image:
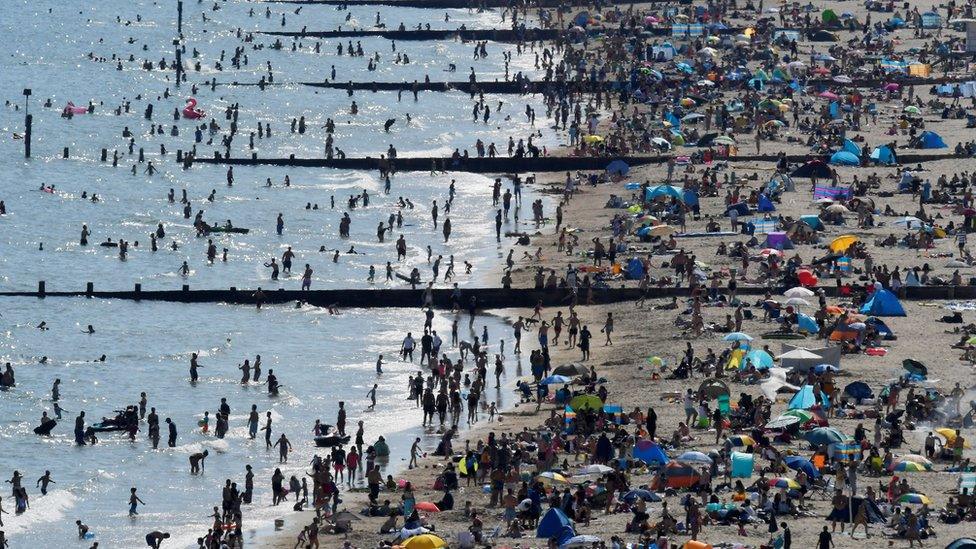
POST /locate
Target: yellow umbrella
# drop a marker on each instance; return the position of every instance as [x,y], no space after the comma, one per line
[841,243]
[950,436]
[592,139]
[663,230]
[424,541]
[551,477]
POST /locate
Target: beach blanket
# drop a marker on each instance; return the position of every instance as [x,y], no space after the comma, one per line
[836,193]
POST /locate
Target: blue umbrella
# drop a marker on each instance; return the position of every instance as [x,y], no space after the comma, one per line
[555,379]
[824,435]
[685,68]
[798,463]
[737,336]
[821,368]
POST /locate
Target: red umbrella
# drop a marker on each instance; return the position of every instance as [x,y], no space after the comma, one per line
[428,506]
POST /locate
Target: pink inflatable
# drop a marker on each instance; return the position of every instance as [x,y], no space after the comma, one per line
[190,111]
[72,109]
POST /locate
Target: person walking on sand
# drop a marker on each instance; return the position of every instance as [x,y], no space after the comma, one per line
[414,453]
[608,329]
[372,397]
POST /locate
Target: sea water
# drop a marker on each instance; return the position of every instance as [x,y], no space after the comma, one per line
[320,358]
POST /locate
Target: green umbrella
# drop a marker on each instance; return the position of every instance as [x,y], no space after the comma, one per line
[583,402]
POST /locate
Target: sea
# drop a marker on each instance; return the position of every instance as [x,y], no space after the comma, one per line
[71,51]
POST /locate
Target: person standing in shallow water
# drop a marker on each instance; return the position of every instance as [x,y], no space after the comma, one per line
[194,364]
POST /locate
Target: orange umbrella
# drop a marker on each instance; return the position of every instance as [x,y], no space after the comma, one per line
[428,506]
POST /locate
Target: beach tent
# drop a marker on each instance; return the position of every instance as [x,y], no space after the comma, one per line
[618,167]
[844,158]
[807,323]
[850,510]
[758,358]
[852,148]
[806,398]
[650,452]
[823,36]
[883,303]
[635,269]
[713,388]
[814,168]
[765,204]
[554,524]
[884,155]
[882,328]
[931,20]
[778,240]
[830,19]
[678,475]
[742,464]
[664,190]
[741,208]
[931,140]
[813,221]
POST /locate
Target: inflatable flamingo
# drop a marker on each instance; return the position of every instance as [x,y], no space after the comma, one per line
[190,111]
[72,109]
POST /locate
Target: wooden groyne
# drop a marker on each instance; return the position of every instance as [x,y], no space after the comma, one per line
[494,35]
[485,298]
[445,4]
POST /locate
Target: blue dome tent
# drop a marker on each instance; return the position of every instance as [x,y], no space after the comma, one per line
[931,140]
[553,524]
[844,158]
[884,155]
[883,303]
[805,399]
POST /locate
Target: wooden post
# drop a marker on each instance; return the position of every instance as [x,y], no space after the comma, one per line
[138,291]
[186,287]
[64,153]
[89,289]
[41,289]
[179,155]
[104,155]
[28,123]
[179,17]
[254,156]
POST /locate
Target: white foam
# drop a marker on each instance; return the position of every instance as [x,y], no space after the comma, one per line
[43,509]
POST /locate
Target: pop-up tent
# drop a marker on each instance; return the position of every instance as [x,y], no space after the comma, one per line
[650,452]
[884,155]
[742,464]
[931,140]
[778,240]
[806,398]
[554,524]
[844,158]
[883,303]
[873,512]
[814,168]
[765,204]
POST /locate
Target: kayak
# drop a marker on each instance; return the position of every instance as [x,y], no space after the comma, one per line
[217,229]
[328,441]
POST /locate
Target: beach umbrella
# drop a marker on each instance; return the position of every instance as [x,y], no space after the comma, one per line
[843,79]
[799,291]
[824,435]
[737,336]
[963,543]
[742,440]
[891,86]
[841,243]
[912,109]
[950,435]
[695,457]
[799,463]
[798,302]
[713,388]
[783,422]
[555,379]
[783,482]
[591,139]
[766,252]
[916,499]
[692,116]
[804,415]
[798,354]
[914,367]
[687,102]
[723,140]
[424,541]
[582,540]
[909,222]
[839,208]
[595,469]
[428,506]
[663,230]
[551,477]
[829,95]
[661,143]
[909,467]
[586,402]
